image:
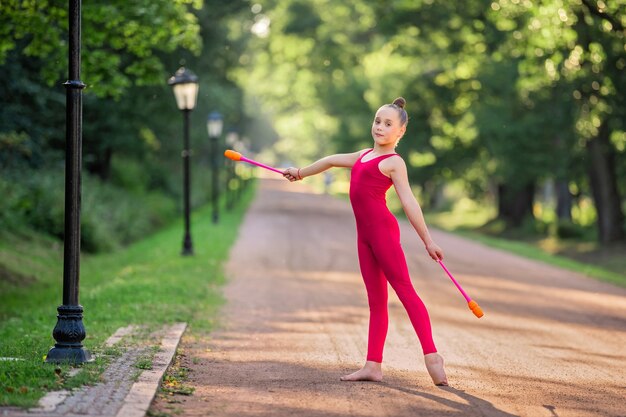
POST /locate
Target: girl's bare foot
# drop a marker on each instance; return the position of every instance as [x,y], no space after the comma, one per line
[434,365]
[372,371]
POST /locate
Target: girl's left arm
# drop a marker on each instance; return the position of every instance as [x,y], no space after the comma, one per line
[398,173]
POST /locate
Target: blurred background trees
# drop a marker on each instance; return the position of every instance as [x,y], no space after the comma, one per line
[508,99]
[513,104]
[132,130]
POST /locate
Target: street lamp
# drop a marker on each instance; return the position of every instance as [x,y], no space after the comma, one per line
[69,331]
[232,137]
[214,125]
[185,86]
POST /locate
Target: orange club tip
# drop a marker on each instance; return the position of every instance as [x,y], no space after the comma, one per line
[230,154]
[473,305]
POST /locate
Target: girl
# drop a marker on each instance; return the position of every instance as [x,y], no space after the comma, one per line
[381,258]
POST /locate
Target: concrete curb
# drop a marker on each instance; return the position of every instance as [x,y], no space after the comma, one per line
[142,392]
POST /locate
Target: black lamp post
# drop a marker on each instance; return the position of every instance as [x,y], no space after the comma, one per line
[231,140]
[69,331]
[238,176]
[214,125]
[185,86]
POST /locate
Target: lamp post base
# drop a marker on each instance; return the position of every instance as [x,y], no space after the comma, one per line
[68,355]
[187,246]
[69,332]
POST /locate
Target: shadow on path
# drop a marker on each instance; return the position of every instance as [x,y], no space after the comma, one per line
[472,405]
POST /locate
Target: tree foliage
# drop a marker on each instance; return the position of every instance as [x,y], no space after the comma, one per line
[123,39]
[132,130]
[501,94]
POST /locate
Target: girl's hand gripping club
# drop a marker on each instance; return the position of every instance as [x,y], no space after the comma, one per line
[473,305]
[236,156]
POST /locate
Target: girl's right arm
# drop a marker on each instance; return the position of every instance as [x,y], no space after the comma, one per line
[345,160]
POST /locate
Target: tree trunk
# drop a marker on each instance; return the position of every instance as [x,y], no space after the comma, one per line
[514,204]
[601,168]
[101,164]
[563,201]
[564,197]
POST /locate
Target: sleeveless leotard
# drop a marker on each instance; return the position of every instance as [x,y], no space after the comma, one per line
[381,257]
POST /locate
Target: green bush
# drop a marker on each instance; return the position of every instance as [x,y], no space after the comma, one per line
[129,174]
[110,216]
[119,217]
[10,203]
[566,229]
[35,200]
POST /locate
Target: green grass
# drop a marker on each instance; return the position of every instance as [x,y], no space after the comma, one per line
[531,251]
[148,283]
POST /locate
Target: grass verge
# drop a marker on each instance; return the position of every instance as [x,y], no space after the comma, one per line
[561,253]
[148,283]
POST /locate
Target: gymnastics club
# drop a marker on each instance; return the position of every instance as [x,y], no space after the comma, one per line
[236,156]
[473,305]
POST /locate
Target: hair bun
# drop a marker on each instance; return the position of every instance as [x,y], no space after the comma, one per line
[400,102]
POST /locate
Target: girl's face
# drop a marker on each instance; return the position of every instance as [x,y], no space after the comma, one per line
[387,127]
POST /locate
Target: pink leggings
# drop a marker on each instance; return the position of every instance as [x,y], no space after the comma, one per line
[381,259]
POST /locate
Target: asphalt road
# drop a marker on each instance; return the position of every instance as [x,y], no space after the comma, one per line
[551,343]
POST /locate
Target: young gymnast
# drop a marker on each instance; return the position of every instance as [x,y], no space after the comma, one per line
[381,257]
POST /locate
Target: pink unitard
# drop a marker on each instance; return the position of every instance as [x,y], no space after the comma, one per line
[381,257]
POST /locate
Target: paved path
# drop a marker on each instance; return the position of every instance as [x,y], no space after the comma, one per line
[551,343]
